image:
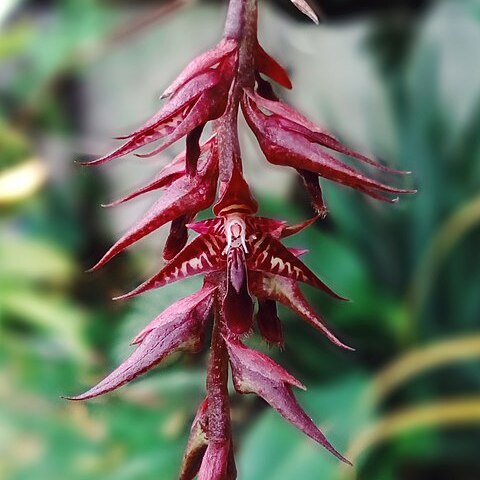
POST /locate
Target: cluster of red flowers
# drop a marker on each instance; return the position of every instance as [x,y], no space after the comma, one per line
[240,254]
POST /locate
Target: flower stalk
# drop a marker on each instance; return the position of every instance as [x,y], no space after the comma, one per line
[240,254]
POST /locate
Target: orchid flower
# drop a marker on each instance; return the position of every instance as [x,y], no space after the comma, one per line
[239,254]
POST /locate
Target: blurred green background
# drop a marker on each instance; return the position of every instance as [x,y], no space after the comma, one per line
[400,79]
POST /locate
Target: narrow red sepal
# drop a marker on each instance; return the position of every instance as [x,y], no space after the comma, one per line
[271,68]
[288,143]
[183,197]
[254,372]
[204,254]
[202,63]
[215,462]
[168,334]
[270,256]
[195,306]
[287,292]
[268,323]
[197,444]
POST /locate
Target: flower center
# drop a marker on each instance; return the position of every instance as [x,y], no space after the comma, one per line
[235,231]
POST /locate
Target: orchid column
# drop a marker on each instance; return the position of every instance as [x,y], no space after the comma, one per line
[239,254]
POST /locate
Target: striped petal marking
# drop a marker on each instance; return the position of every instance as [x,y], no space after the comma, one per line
[204,254]
[270,256]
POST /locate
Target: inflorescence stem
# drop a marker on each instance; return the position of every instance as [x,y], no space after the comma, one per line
[241,24]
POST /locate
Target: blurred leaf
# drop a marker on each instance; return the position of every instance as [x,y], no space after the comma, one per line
[14,39]
[419,360]
[49,313]
[25,259]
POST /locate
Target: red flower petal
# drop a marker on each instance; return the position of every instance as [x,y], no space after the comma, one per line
[294,229]
[213,226]
[268,255]
[188,95]
[182,332]
[197,444]
[254,372]
[236,197]
[195,306]
[209,106]
[293,147]
[204,254]
[275,228]
[215,462]
[271,68]
[268,322]
[183,197]
[202,63]
[306,9]
[168,121]
[287,292]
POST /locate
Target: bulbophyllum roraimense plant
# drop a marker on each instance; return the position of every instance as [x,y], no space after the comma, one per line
[240,255]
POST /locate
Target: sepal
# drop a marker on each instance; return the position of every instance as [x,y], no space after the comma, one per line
[288,293]
[269,256]
[268,323]
[254,372]
[197,444]
[204,254]
[271,68]
[202,63]
[215,462]
[183,197]
[306,9]
[286,143]
[168,333]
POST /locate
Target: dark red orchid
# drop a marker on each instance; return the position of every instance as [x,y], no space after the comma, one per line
[240,255]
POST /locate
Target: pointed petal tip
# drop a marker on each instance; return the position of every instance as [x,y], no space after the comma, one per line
[340,457]
[346,347]
[124,296]
[340,297]
[99,264]
[91,163]
[147,155]
[76,398]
